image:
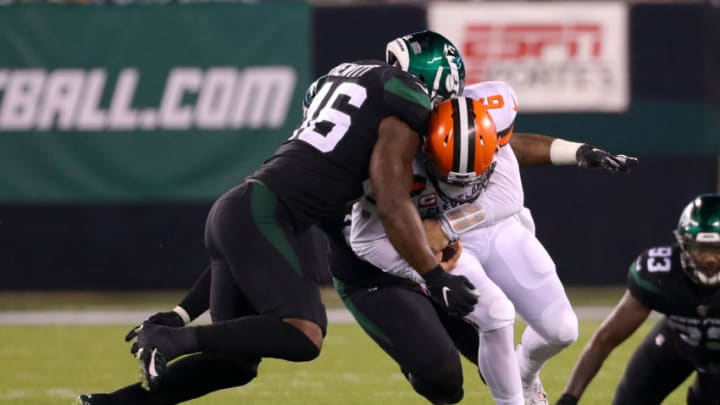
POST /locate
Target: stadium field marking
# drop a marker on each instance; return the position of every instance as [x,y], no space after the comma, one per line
[130,317]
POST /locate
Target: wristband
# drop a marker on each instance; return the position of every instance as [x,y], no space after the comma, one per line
[183,314]
[568,399]
[435,274]
[564,152]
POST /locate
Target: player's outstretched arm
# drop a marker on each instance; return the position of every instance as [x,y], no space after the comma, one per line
[622,322]
[536,149]
[391,180]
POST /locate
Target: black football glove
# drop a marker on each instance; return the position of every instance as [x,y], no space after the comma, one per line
[592,157]
[169,318]
[453,293]
[567,399]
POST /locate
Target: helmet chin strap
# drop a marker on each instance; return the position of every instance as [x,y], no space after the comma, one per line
[693,270]
[464,199]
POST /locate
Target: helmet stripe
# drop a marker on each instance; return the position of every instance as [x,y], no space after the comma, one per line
[472,133]
[457,122]
[464,136]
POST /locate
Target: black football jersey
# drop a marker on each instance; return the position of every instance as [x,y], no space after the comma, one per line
[320,170]
[658,281]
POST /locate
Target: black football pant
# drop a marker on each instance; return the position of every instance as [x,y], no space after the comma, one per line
[402,320]
[656,369]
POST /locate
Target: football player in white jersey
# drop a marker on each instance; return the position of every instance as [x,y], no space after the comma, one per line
[498,232]
[456,165]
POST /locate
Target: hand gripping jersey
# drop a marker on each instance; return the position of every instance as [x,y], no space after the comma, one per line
[320,170]
[658,281]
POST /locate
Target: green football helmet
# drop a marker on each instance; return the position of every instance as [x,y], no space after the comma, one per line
[698,234]
[433,59]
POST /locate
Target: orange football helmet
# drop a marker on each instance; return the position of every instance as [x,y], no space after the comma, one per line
[461,144]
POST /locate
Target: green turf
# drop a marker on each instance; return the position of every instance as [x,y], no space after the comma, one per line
[47,365]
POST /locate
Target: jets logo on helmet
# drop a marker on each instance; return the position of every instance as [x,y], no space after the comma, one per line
[461,145]
[433,59]
[698,234]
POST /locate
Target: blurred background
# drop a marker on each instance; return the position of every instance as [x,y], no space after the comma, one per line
[121,121]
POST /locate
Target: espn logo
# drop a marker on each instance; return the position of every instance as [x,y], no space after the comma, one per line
[529,44]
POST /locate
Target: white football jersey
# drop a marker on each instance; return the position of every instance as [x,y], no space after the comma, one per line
[502,198]
[499,99]
[501,252]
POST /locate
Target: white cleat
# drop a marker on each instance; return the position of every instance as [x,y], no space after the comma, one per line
[535,394]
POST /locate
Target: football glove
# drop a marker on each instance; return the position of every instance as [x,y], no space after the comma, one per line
[453,293]
[567,399]
[169,318]
[591,157]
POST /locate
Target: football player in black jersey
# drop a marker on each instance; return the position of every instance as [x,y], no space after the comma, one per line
[362,129]
[681,283]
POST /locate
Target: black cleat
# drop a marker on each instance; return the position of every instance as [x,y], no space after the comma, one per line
[94,399]
[154,347]
[152,365]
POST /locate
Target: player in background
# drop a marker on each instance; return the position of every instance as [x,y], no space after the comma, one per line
[363,127]
[499,232]
[680,282]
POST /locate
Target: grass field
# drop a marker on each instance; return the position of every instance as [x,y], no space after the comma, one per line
[48,365]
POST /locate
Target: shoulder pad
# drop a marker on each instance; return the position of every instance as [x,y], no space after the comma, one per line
[499,99]
[651,268]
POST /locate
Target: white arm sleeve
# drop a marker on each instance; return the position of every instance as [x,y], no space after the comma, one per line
[369,241]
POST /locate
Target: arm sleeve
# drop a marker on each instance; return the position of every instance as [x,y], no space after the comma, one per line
[197,300]
[369,241]
[504,195]
[406,98]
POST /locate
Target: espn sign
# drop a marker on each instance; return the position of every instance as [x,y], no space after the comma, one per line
[558,57]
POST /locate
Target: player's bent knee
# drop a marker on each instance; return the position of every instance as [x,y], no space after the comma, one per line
[443,384]
[493,314]
[562,330]
[568,330]
[309,329]
[306,345]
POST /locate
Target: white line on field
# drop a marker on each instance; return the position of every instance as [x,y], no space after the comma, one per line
[129,317]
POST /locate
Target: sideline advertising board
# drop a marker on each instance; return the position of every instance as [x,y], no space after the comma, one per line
[558,56]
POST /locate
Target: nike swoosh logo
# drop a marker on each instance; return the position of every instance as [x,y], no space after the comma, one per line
[152,370]
[421,86]
[446,290]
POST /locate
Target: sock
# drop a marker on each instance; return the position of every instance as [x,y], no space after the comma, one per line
[499,367]
[191,377]
[256,336]
[532,353]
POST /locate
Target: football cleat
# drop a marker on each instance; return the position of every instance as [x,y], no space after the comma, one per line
[535,394]
[152,365]
[154,347]
[94,399]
